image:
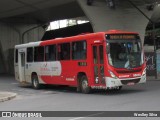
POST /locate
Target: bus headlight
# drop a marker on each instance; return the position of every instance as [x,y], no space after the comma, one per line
[144,72]
[112,74]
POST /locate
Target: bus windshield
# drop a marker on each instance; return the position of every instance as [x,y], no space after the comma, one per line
[125,53]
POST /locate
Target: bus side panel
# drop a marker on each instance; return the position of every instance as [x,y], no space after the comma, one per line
[60,73]
[28,72]
[65,73]
[35,68]
[50,72]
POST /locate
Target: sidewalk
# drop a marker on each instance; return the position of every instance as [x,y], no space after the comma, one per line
[152,78]
[4,96]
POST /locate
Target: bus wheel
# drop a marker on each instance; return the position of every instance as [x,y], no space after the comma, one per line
[35,82]
[118,88]
[84,85]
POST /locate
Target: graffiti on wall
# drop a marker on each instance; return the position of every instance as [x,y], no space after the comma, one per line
[151,68]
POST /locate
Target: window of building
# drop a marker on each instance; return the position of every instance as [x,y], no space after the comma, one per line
[64,51]
[50,53]
[30,54]
[39,54]
[79,50]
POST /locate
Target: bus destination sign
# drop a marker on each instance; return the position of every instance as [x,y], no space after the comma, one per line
[122,37]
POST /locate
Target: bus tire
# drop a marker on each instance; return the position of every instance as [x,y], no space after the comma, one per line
[118,88]
[84,85]
[35,82]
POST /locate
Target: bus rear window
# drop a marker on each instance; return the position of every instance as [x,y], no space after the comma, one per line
[16,56]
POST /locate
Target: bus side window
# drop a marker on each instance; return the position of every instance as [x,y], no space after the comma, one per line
[30,54]
[79,50]
[101,54]
[39,54]
[50,53]
[16,56]
[64,51]
[95,56]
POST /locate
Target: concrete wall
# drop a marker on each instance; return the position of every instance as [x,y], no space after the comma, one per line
[124,17]
[11,35]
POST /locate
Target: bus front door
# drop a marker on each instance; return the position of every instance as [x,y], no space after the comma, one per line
[21,66]
[98,60]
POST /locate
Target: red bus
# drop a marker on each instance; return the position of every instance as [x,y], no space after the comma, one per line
[103,60]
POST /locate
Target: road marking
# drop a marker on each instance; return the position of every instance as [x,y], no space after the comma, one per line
[14,83]
[77,118]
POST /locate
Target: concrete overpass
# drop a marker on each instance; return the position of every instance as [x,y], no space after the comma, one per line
[17,16]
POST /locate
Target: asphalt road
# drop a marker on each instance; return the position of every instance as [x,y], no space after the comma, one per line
[144,97]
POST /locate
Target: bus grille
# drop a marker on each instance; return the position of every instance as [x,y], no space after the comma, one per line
[125,82]
[128,71]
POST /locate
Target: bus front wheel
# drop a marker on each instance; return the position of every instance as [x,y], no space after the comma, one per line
[35,82]
[84,85]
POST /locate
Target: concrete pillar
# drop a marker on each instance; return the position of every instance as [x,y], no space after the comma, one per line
[124,16]
[11,35]
[2,66]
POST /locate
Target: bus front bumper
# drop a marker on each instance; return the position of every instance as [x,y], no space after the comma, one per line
[113,82]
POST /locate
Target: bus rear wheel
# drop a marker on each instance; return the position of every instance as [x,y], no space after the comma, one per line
[35,82]
[84,85]
[118,88]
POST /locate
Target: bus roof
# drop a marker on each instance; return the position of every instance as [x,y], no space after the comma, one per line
[97,35]
[28,44]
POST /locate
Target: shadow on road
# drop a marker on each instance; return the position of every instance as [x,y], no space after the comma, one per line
[66,89]
[121,92]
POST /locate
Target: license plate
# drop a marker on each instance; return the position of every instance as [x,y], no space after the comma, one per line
[131,83]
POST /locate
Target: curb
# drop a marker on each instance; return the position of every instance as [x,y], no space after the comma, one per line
[7,96]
